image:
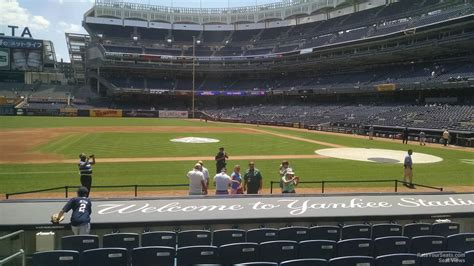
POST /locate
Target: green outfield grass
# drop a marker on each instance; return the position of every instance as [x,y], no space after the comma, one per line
[20,177]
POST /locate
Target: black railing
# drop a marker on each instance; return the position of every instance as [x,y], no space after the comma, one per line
[68,188]
[325,182]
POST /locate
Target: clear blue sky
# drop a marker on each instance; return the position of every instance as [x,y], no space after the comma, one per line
[50,19]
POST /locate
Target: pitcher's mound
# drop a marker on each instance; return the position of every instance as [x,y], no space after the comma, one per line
[377,155]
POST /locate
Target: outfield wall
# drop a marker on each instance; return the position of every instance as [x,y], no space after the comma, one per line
[96,112]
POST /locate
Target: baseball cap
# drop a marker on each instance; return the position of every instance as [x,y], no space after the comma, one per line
[197,166]
[200,162]
[290,171]
[82,155]
[285,161]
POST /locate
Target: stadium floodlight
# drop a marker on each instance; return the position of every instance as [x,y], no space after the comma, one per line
[169,40]
[198,42]
[135,38]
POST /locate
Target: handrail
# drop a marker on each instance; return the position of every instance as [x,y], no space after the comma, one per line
[12,234]
[21,253]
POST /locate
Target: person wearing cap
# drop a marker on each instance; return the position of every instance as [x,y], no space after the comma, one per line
[253,180]
[197,183]
[220,160]
[85,170]
[222,182]
[205,172]
[284,166]
[81,207]
[236,186]
[290,181]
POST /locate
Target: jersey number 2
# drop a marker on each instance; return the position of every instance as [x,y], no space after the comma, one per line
[82,207]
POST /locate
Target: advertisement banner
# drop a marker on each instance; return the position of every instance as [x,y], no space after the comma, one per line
[68,111]
[173,114]
[105,113]
[4,59]
[41,111]
[386,87]
[140,113]
[23,43]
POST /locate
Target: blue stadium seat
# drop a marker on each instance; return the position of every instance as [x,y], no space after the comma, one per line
[105,256]
[239,253]
[355,231]
[305,262]
[197,255]
[227,236]
[352,261]
[469,257]
[426,244]
[278,250]
[443,258]
[121,240]
[320,249]
[460,242]
[354,247]
[262,235]
[79,242]
[400,259]
[294,233]
[444,229]
[325,232]
[391,245]
[56,258]
[151,256]
[416,229]
[383,230]
[159,238]
[194,238]
[257,263]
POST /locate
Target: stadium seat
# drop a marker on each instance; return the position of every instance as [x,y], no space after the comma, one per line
[325,232]
[151,256]
[460,242]
[227,236]
[257,263]
[262,235]
[305,262]
[159,238]
[194,238]
[79,242]
[121,240]
[105,256]
[355,231]
[390,245]
[443,258]
[416,229]
[318,249]
[197,255]
[352,261]
[354,247]
[426,244]
[56,258]
[469,257]
[239,253]
[294,233]
[400,259]
[278,250]
[383,230]
[444,229]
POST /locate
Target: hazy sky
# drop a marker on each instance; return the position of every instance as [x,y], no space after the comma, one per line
[50,19]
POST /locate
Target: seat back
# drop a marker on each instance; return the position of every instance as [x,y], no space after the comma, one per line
[460,242]
[258,263]
[355,247]
[400,259]
[105,256]
[79,242]
[56,258]
[443,258]
[355,231]
[227,236]
[305,262]
[192,255]
[318,249]
[352,261]
[151,256]
[416,229]
[427,244]
[469,257]
[278,251]
[294,233]
[383,230]
[239,253]
[444,229]
[325,232]
[262,235]
[121,240]
[391,245]
[194,238]
[159,238]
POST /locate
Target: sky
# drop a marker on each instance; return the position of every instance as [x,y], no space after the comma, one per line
[50,19]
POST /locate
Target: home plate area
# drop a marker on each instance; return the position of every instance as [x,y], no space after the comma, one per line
[377,155]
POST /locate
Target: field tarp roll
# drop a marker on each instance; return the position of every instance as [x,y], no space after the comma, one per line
[173,114]
[105,112]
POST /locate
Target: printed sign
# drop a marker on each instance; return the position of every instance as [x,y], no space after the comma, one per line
[4,59]
[105,113]
[173,114]
[12,42]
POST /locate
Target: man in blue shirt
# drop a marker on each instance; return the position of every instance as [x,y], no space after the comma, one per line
[81,207]
[408,172]
[85,170]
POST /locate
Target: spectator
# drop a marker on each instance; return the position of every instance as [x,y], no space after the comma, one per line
[290,181]
[205,172]
[81,207]
[221,160]
[446,137]
[405,136]
[371,132]
[422,138]
[252,180]
[284,166]
[408,170]
[236,186]
[197,183]
[222,182]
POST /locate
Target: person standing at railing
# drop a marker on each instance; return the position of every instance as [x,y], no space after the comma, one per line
[289,181]
[85,170]
[81,207]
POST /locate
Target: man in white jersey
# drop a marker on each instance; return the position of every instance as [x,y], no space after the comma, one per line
[222,182]
[197,183]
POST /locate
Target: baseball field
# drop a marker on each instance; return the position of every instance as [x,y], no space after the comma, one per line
[42,152]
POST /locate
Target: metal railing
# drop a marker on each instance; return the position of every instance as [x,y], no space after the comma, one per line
[325,182]
[67,189]
[20,253]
